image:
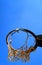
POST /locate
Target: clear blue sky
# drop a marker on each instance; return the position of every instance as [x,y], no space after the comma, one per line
[16,14]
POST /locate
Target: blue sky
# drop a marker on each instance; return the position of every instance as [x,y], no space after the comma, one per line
[20,14]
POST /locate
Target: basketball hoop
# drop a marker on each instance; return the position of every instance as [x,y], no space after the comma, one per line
[22,52]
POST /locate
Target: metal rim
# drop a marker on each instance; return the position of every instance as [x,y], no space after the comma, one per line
[18,29]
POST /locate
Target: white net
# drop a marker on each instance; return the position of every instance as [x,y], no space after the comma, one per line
[14,55]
